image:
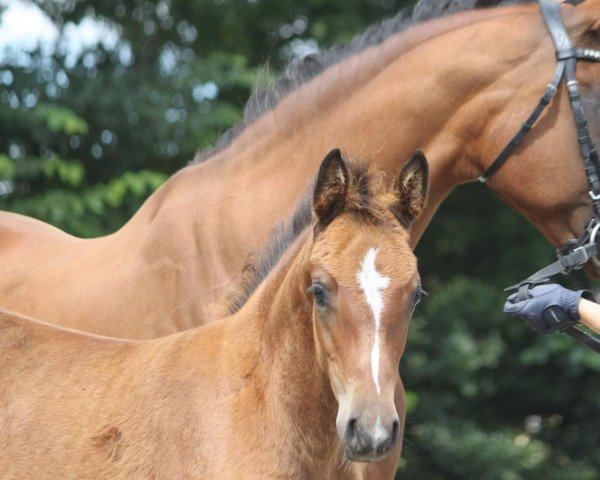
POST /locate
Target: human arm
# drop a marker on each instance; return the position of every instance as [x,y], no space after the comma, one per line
[589,313]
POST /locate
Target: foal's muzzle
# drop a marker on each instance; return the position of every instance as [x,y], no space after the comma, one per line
[368,441]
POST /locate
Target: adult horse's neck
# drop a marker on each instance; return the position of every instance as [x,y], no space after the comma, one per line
[380,104]
[375,105]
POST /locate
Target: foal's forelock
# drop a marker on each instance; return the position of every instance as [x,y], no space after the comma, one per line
[368,198]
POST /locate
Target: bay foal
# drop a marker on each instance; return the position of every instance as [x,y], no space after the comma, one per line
[296,382]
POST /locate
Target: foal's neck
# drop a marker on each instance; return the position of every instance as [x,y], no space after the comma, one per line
[296,387]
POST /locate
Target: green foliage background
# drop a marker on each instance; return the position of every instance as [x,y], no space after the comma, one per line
[84,141]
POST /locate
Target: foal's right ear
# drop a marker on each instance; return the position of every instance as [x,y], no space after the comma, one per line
[330,191]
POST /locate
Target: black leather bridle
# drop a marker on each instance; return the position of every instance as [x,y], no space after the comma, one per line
[577,252]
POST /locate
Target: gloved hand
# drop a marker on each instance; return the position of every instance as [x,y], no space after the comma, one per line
[549,307]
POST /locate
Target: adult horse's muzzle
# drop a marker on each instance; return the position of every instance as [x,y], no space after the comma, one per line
[368,434]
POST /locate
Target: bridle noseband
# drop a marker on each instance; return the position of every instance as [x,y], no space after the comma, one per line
[577,252]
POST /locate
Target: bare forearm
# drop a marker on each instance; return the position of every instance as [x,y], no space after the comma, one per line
[590,314]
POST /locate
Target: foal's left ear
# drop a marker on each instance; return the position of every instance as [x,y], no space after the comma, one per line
[411,189]
[330,190]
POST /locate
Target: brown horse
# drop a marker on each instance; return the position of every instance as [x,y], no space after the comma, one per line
[299,379]
[458,87]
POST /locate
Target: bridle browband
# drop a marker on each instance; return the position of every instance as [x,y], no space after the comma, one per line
[577,252]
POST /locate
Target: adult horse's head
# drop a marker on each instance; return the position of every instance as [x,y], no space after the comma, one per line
[545,179]
[365,285]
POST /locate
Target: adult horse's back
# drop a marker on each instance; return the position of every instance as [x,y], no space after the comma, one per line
[457,87]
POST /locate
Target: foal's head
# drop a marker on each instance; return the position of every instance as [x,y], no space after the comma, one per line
[365,286]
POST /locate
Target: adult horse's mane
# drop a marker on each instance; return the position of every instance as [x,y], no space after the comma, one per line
[300,70]
[366,196]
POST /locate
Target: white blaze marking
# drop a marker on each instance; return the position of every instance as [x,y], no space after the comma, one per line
[372,282]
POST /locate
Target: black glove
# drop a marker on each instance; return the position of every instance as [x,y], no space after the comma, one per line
[549,307]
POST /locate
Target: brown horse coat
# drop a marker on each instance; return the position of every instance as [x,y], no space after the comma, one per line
[252,396]
[457,87]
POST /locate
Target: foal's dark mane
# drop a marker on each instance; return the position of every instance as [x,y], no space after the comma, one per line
[300,70]
[364,197]
[259,264]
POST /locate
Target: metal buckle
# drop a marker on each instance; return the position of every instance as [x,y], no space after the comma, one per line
[568,247]
[580,257]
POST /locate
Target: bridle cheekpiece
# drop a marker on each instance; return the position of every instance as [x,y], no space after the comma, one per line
[575,253]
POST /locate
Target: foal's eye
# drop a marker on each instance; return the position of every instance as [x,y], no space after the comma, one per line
[319,294]
[417,298]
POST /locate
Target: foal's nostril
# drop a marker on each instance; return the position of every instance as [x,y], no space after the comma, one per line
[352,427]
[385,438]
[395,429]
[351,433]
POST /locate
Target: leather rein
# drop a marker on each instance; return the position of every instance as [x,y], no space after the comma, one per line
[577,252]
